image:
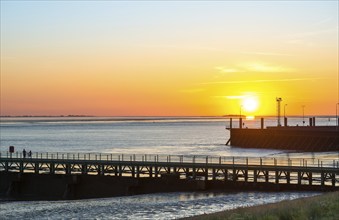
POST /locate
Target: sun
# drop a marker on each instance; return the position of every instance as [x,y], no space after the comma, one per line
[250,104]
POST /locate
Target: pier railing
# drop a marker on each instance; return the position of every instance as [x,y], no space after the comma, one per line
[195,159]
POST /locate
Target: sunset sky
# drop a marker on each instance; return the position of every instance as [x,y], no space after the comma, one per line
[148,58]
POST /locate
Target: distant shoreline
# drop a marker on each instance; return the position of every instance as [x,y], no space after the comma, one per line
[157,116]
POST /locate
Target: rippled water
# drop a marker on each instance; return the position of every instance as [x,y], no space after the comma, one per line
[153,206]
[178,136]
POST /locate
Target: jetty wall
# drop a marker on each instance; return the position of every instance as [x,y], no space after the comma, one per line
[287,138]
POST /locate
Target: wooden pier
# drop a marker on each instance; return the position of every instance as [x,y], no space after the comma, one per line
[277,171]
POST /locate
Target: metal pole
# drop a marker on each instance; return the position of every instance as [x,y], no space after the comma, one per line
[285,110]
[303,115]
[336,115]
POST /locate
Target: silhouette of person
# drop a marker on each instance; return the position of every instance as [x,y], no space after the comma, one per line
[30,154]
[24,153]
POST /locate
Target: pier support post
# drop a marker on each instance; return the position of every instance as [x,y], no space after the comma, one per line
[255,176]
[133,171]
[156,171]
[235,175]
[84,168]
[36,168]
[262,123]
[288,177]
[187,171]
[120,170]
[267,174]
[310,178]
[68,169]
[52,168]
[21,167]
[322,179]
[6,166]
[226,175]
[299,178]
[116,170]
[150,171]
[213,174]
[240,122]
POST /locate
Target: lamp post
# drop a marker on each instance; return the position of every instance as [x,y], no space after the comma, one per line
[240,111]
[303,115]
[240,118]
[285,110]
[336,115]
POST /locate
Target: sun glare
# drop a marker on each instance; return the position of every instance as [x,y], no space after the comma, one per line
[250,104]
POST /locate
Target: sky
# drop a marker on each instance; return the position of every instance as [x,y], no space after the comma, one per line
[169,58]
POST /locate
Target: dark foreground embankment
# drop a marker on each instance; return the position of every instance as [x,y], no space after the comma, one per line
[30,186]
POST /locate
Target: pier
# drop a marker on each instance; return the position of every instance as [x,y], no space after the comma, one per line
[187,172]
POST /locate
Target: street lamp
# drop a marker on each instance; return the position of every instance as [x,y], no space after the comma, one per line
[303,115]
[336,115]
[240,111]
[240,118]
[285,110]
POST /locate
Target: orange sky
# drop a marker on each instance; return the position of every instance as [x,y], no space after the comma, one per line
[168,58]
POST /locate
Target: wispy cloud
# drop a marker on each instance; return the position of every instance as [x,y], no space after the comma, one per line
[261,81]
[266,53]
[192,90]
[254,67]
[180,47]
[313,33]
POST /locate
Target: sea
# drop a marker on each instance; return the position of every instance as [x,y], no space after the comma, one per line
[187,136]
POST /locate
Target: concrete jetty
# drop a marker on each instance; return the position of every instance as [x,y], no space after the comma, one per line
[301,138]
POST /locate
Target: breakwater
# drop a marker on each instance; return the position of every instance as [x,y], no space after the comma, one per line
[310,138]
[74,176]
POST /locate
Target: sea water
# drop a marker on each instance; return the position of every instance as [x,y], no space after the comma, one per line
[139,135]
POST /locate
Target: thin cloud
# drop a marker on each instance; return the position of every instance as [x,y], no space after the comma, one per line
[261,81]
[254,67]
[266,53]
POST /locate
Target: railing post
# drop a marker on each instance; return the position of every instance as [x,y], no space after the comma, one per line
[219,160]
